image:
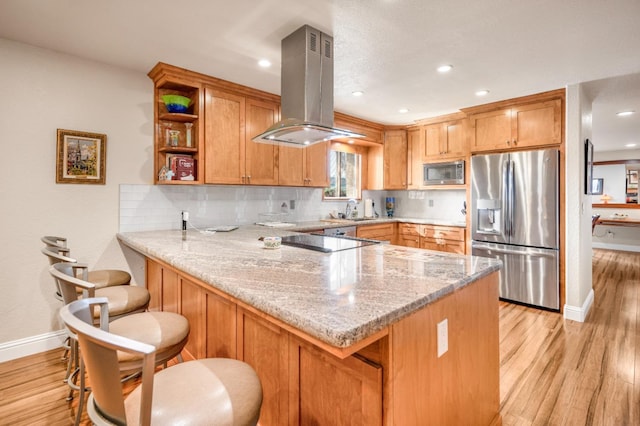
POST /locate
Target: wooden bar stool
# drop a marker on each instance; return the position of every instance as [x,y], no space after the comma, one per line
[214,391]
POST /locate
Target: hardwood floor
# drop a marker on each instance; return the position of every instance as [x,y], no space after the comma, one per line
[553,372]
[556,372]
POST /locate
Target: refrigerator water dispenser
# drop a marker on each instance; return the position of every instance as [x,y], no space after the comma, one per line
[489,216]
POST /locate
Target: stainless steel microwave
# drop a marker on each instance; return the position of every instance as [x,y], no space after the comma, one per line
[450,173]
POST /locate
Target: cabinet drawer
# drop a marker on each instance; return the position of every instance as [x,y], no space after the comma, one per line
[409,240]
[443,232]
[383,231]
[442,245]
[409,229]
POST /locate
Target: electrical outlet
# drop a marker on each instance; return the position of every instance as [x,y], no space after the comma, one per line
[292,204]
[443,337]
[430,203]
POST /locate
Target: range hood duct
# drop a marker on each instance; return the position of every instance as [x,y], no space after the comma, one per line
[307,92]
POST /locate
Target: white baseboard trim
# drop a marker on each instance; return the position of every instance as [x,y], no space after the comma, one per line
[579,314]
[31,345]
[619,247]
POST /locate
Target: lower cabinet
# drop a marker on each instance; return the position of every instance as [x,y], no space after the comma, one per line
[264,346]
[396,380]
[301,385]
[326,390]
[432,237]
[382,231]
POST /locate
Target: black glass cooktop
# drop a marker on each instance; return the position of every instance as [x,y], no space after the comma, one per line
[325,243]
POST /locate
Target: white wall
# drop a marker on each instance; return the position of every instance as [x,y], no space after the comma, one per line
[41,92]
[578,274]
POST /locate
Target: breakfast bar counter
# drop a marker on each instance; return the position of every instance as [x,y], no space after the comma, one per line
[311,322]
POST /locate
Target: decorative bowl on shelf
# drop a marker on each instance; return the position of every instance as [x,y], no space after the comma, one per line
[176,103]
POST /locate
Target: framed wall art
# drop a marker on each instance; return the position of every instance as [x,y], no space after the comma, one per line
[597,186]
[81,157]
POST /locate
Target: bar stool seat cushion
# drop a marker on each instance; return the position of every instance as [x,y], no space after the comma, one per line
[167,331]
[124,299]
[109,277]
[220,391]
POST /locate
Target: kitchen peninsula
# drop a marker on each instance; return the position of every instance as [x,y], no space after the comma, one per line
[348,337]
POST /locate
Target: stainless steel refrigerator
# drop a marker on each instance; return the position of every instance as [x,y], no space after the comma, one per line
[515,211]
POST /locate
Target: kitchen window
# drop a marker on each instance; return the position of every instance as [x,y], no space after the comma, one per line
[344,176]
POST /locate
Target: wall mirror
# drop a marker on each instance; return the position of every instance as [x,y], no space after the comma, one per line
[617,183]
[616,139]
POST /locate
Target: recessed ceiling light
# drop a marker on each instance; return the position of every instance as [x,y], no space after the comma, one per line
[403,110]
[482,93]
[630,145]
[350,141]
[357,93]
[444,68]
[624,113]
[264,63]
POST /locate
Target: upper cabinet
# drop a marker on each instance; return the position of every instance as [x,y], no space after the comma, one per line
[445,140]
[225,157]
[395,159]
[304,166]
[415,154]
[519,125]
[261,160]
[231,156]
[177,135]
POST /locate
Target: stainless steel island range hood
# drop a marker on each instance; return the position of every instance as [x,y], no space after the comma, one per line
[307,92]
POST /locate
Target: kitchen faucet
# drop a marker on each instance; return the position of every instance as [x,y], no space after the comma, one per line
[347,210]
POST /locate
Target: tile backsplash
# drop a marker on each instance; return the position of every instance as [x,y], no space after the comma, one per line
[155,207]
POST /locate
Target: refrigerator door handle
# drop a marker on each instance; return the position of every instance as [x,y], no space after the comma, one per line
[512,196]
[505,198]
[522,252]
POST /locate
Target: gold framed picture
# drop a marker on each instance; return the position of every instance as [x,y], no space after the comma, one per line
[81,157]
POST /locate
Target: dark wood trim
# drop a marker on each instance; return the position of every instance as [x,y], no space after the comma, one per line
[606,163]
[615,206]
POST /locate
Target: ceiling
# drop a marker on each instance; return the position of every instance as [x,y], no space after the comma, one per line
[389,49]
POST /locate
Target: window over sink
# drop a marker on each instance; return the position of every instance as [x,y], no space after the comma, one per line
[344,176]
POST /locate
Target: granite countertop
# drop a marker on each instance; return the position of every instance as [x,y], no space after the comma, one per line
[339,298]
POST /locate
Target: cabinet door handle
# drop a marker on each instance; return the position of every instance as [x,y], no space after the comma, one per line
[249,179]
[515,142]
[242,179]
[508,142]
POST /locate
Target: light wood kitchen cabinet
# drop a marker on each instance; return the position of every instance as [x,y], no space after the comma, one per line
[520,126]
[153,280]
[163,288]
[304,166]
[432,237]
[408,235]
[446,140]
[379,231]
[415,154]
[308,382]
[261,160]
[395,159]
[224,131]
[351,396]
[230,154]
[169,80]
[193,308]
[222,329]
[264,346]
[443,238]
